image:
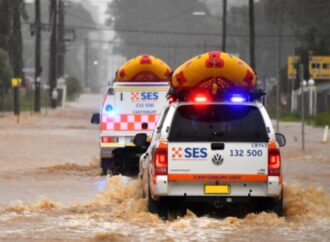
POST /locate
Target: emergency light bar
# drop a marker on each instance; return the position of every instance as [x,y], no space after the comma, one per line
[237,98]
[202,96]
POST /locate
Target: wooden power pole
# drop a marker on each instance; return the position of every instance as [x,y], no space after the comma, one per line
[61,40]
[16,52]
[38,69]
[52,75]
[87,86]
[224,25]
[252,34]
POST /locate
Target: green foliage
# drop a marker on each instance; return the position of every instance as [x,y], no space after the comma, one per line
[290,117]
[322,119]
[5,71]
[74,88]
[309,22]
[26,100]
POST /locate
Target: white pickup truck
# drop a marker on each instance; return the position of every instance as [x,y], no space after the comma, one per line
[128,108]
[212,151]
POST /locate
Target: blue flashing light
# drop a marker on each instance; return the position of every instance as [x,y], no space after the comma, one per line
[108,108]
[237,99]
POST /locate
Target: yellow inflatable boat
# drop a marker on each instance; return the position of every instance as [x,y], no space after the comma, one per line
[144,68]
[214,71]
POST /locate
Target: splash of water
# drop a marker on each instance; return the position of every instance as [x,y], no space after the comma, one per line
[92,169]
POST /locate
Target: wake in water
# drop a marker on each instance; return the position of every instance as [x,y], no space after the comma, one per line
[119,212]
[124,200]
[92,169]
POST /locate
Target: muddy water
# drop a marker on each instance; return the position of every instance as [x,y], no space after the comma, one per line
[50,189]
[118,213]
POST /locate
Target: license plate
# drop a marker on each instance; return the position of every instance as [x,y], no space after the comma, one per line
[216,189]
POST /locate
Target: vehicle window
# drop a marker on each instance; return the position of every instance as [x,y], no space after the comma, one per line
[156,132]
[161,121]
[326,66]
[316,65]
[231,123]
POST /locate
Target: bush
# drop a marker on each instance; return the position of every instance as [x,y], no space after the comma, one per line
[73,88]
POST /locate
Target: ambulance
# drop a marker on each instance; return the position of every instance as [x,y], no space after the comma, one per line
[214,145]
[132,104]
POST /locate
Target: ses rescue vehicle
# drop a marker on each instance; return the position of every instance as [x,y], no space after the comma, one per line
[131,105]
[214,143]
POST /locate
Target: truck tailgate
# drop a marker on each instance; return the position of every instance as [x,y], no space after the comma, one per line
[217,161]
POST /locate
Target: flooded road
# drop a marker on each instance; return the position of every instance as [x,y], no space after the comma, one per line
[50,189]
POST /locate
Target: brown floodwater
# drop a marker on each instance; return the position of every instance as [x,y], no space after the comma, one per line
[50,189]
[119,213]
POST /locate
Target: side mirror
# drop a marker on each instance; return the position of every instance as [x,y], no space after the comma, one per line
[95,118]
[280,138]
[140,140]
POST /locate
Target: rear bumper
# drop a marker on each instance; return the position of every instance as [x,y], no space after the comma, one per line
[162,187]
[107,148]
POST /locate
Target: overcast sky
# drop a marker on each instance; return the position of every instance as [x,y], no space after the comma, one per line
[215,6]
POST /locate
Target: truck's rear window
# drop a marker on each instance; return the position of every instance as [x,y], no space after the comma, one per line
[231,123]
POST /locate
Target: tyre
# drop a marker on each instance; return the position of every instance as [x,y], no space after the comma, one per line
[157,207]
[176,211]
[108,166]
[277,206]
[127,161]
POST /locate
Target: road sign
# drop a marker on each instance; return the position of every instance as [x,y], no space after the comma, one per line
[319,67]
[292,61]
[16,82]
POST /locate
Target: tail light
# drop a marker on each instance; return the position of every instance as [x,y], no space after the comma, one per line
[160,159]
[107,139]
[274,162]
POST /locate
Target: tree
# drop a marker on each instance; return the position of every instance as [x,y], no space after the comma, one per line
[309,21]
[5,71]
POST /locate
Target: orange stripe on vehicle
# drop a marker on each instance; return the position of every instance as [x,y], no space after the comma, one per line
[218,177]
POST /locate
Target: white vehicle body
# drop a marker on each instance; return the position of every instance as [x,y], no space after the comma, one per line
[226,168]
[129,108]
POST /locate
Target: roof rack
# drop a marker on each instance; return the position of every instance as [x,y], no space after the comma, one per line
[183,95]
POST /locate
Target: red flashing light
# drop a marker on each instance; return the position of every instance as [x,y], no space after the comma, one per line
[107,139]
[274,162]
[200,97]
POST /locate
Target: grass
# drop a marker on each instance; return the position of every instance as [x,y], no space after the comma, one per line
[320,119]
[26,101]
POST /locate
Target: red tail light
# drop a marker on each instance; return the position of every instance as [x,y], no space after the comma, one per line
[160,159]
[274,162]
[107,139]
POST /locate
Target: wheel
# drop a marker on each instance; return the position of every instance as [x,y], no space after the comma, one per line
[157,207]
[127,161]
[276,206]
[175,211]
[108,166]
